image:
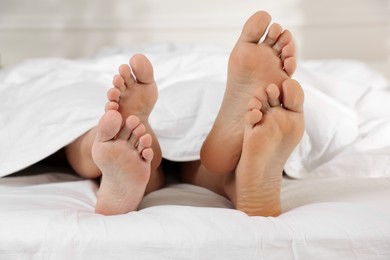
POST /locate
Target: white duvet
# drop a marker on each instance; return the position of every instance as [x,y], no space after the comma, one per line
[47,103]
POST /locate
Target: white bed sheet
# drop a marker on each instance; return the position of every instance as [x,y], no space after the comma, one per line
[50,216]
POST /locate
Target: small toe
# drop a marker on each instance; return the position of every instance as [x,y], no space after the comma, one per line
[130,124]
[261,95]
[136,134]
[273,94]
[125,73]
[254,103]
[145,141]
[290,65]
[147,154]
[293,95]
[273,34]
[111,106]
[119,83]
[253,117]
[288,51]
[113,94]
[284,39]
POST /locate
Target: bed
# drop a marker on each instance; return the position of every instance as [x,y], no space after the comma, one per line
[335,192]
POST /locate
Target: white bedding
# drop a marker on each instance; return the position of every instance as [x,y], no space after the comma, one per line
[47,103]
[50,216]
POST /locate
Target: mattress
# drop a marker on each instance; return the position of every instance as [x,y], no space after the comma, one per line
[334,194]
[51,216]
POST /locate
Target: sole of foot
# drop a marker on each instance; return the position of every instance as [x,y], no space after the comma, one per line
[272,131]
[123,154]
[251,64]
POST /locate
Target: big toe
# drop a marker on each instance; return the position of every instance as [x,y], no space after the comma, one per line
[109,126]
[255,27]
[293,95]
[142,69]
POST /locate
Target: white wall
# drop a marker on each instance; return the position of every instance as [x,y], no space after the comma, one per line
[357,29]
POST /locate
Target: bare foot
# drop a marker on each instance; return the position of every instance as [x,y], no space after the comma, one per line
[250,65]
[135,93]
[272,131]
[123,154]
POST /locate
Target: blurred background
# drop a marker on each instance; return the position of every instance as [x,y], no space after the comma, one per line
[331,29]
